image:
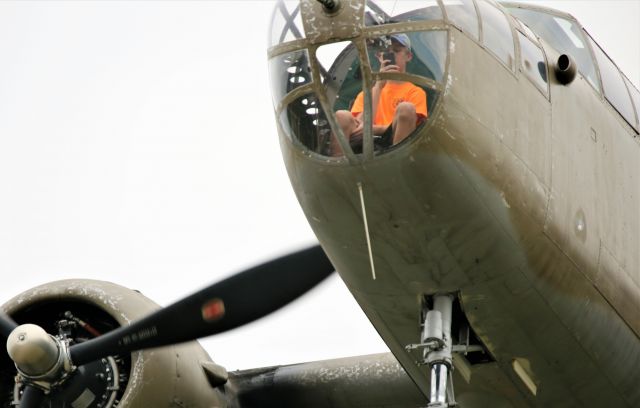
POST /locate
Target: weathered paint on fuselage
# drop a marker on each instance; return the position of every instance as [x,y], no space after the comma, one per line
[485,202]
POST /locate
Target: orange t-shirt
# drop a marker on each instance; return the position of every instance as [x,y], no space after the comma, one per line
[391,96]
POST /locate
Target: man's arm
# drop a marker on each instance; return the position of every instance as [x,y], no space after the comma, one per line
[419,99]
[375,100]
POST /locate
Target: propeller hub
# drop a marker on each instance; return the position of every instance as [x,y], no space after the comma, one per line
[33,350]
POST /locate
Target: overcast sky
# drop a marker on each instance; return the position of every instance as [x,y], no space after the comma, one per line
[138,145]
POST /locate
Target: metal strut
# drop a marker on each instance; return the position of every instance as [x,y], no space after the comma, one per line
[437,345]
[437,348]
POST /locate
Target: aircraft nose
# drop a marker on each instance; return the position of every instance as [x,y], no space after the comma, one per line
[349,86]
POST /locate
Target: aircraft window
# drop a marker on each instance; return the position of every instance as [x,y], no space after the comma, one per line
[305,122]
[304,119]
[533,63]
[393,11]
[328,54]
[563,35]
[286,22]
[462,14]
[635,95]
[496,33]
[525,29]
[567,27]
[340,72]
[615,89]
[422,54]
[288,72]
[428,55]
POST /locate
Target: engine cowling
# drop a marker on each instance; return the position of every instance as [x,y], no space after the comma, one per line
[78,310]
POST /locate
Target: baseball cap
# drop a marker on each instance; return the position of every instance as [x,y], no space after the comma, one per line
[402,39]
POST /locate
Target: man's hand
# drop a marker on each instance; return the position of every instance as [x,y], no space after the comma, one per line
[358,130]
[385,66]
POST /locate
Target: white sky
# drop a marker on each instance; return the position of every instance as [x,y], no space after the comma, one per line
[138,145]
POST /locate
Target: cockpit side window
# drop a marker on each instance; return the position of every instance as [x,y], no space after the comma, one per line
[532,63]
[462,14]
[615,89]
[288,72]
[635,97]
[496,33]
[562,34]
[305,123]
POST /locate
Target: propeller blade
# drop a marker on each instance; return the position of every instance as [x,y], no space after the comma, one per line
[31,397]
[225,305]
[6,325]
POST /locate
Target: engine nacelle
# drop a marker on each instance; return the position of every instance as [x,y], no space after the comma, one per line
[78,309]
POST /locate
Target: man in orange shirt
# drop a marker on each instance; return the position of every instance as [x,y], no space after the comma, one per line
[398,106]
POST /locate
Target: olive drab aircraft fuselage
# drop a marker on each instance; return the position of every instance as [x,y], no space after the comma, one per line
[517,198]
[495,247]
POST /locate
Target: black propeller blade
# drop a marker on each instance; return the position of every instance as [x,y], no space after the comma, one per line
[222,306]
[31,397]
[6,325]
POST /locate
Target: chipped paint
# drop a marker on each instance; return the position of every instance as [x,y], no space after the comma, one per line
[450,80]
[504,199]
[320,27]
[362,372]
[374,380]
[135,379]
